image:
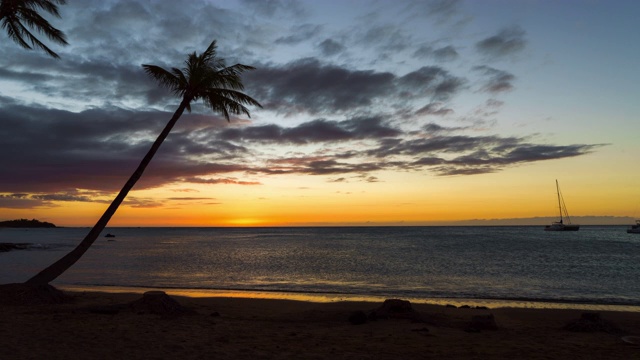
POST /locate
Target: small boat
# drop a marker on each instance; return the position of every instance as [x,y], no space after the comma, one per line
[564,214]
[634,229]
[109,235]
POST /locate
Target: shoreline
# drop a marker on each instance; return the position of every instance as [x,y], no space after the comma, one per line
[105,325]
[338,297]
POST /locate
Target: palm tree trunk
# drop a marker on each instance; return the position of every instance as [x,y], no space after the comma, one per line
[56,269]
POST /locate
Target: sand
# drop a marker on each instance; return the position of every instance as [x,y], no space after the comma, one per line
[96,325]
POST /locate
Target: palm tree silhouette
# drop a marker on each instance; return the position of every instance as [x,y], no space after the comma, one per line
[205,77]
[17,16]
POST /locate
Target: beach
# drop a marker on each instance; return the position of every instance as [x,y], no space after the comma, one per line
[104,325]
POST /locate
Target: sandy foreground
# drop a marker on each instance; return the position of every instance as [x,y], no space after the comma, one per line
[100,325]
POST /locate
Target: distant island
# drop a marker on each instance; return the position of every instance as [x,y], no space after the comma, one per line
[24,223]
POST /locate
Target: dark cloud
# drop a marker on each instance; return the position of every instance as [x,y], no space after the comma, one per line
[307,85]
[442,54]
[434,109]
[49,154]
[315,131]
[53,151]
[497,80]
[507,42]
[11,201]
[433,128]
[330,47]
[226,181]
[431,81]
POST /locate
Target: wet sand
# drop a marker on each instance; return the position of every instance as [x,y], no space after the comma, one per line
[99,325]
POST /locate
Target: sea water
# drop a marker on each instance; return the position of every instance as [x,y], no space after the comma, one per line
[598,264]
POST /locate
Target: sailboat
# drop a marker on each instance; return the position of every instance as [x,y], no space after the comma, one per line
[634,229]
[564,215]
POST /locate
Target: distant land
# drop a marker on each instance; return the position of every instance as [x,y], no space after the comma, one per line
[24,223]
[539,221]
[533,221]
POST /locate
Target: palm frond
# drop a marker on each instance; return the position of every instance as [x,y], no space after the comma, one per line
[229,101]
[16,16]
[206,77]
[24,32]
[165,78]
[32,19]
[14,33]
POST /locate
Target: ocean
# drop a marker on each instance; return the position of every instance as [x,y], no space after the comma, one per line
[596,265]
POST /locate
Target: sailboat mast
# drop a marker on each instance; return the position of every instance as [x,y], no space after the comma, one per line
[559,202]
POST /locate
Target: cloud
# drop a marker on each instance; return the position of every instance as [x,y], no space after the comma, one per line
[226,181]
[309,86]
[273,7]
[497,80]
[506,42]
[431,81]
[434,109]
[50,154]
[315,131]
[442,11]
[300,34]
[97,113]
[442,54]
[330,47]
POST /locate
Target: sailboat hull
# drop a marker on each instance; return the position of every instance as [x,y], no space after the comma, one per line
[562,227]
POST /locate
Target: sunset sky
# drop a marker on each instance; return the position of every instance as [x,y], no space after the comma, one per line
[374,113]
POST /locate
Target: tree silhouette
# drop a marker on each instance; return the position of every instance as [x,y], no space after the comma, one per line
[18,16]
[205,77]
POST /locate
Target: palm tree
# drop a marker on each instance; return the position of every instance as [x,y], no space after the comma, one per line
[205,77]
[19,15]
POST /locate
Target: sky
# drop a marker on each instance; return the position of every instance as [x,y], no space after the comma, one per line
[373,113]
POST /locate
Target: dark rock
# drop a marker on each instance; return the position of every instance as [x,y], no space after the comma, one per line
[482,322]
[451,306]
[393,308]
[159,303]
[465,307]
[358,318]
[23,294]
[592,322]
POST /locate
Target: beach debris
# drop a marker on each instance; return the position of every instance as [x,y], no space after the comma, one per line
[394,308]
[482,322]
[358,317]
[159,303]
[6,247]
[23,294]
[592,322]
